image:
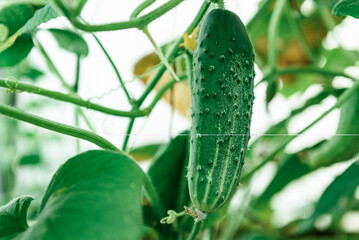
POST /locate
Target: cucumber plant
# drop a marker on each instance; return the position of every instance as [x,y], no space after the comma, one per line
[188,188]
[222,100]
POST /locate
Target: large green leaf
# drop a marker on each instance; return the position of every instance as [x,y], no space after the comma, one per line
[13,216]
[347,7]
[94,195]
[42,15]
[70,41]
[17,52]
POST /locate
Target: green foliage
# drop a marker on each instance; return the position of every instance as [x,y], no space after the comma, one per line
[345,143]
[13,216]
[42,15]
[16,53]
[337,194]
[102,188]
[347,7]
[106,195]
[70,41]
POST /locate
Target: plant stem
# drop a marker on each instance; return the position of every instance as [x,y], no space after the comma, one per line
[77,74]
[342,99]
[172,52]
[88,123]
[114,68]
[141,7]
[272,32]
[14,86]
[57,127]
[128,133]
[195,230]
[139,23]
[160,53]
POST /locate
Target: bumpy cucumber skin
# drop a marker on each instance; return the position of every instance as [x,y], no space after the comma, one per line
[340,148]
[222,100]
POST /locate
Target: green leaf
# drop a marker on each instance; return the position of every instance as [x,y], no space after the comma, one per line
[70,41]
[13,216]
[347,7]
[42,15]
[17,52]
[167,169]
[30,159]
[15,16]
[94,195]
[291,169]
[339,58]
[338,192]
[145,152]
[168,176]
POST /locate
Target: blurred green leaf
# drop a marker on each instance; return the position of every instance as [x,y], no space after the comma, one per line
[337,193]
[339,58]
[347,7]
[13,216]
[291,169]
[42,15]
[145,152]
[17,52]
[30,159]
[94,195]
[70,41]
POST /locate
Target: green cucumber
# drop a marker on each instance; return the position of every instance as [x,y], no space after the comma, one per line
[345,144]
[222,100]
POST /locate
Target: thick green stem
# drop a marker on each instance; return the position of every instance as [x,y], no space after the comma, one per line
[141,7]
[57,127]
[342,99]
[172,52]
[17,86]
[272,32]
[195,230]
[139,23]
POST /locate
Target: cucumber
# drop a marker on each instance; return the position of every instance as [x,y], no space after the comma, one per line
[340,147]
[222,99]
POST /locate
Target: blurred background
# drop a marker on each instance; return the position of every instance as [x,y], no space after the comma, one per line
[30,155]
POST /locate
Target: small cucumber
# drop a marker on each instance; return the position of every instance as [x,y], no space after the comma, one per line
[222,100]
[345,144]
